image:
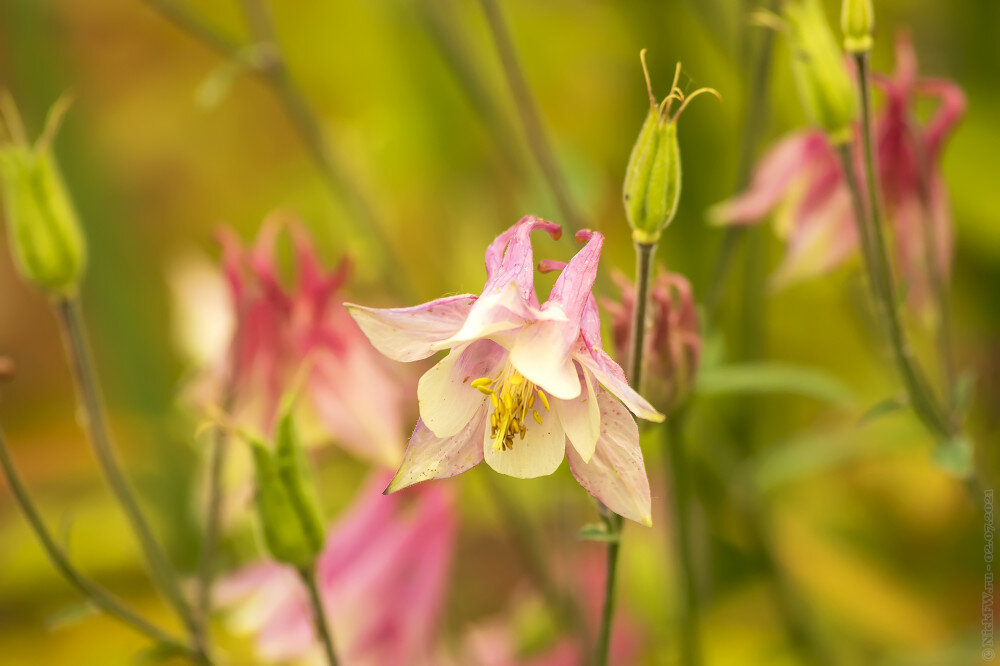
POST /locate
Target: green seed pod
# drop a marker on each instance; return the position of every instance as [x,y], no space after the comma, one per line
[286,504]
[42,225]
[817,65]
[652,186]
[857,20]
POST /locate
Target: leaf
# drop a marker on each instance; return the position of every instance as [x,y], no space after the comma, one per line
[883,408]
[69,615]
[963,391]
[597,532]
[217,84]
[159,653]
[767,377]
[955,456]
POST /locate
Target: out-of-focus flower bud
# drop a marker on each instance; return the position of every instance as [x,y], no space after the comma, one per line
[857,21]
[653,176]
[673,342]
[43,228]
[818,68]
[286,499]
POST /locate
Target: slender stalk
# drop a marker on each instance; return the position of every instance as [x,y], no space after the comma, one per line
[92,412]
[527,110]
[869,221]
[525,538]
[273,72]
[320,620]
[678,472]
[93,592]
[613,522]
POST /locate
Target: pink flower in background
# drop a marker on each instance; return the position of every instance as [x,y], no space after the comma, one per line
[281,331]
[801,179]
[382,576]
[523,384]
[673,344]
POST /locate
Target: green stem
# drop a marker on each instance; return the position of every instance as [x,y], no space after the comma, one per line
[93,592]
[320,620]
[922,398]
[527,110]
[92,412]
[678,473]
[525,538]
[613,522]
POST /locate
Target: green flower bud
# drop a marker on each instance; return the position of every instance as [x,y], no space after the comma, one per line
[818,68]
[286,504]
[42,225]
[653,176]
[857,20]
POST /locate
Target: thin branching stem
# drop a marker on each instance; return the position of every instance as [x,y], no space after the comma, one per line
[94,593]
[320,620]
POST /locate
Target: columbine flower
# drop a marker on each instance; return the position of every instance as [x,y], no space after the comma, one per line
[523,384]
[382,578]
[673,345]
[282,331]
[801,178]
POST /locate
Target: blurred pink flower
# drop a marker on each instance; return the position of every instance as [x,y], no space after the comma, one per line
[382,576]
[802,179]
[523,384]
[281,331]
[673,344]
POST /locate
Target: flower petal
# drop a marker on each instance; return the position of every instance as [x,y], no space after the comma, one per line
[430,457]
[615,474]
[538,355]
[581,419]
[447,399]
[538,454]
[612,377]
[408,334]
[509,257]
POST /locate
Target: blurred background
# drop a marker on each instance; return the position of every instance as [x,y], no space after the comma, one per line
[879,549]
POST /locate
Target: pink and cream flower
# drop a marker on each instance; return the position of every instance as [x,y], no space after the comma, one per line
[523,384]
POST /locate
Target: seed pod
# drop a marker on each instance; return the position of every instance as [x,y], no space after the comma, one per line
[818,69]
[42,225]
[857,21]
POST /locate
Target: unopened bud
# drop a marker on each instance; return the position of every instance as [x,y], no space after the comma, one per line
[42,225]
[857,20]
[653,177]
[818,68]
[673,341]
[286,504]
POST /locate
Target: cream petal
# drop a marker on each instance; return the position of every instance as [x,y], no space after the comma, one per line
[409,334]
[612,377]
[615,474]
[542,357]
[429,457]
[581,419]
[538,454]
[447,400]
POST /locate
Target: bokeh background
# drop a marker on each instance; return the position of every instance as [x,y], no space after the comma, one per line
[881,548]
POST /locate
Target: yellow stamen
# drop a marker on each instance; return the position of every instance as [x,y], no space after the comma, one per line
[545,400]
[538,417]
[513,397]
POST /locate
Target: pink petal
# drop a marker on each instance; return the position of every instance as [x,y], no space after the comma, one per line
[447,399]
[509,257]
[951,111]
[772,178]
[408,334]
[430,457]
[612,377]
[537,353]
[616,474]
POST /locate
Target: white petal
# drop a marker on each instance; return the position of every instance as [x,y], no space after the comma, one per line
[408,334]
[541,355]
[538,454]
[615,474]
[447,401]
[581,419]
[429,457]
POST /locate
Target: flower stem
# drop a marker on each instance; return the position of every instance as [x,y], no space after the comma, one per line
[527,110]
[92,412]
[678,473]
[320,620]
[869,222]
[613,522]
[94,593]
